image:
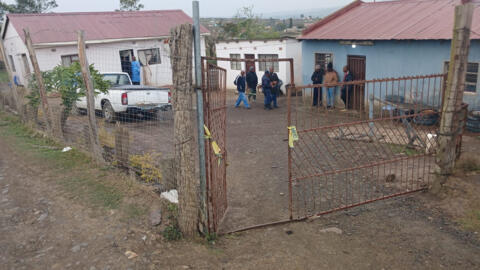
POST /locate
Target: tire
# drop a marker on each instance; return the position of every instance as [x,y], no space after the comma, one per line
[81,111]
[108,112]
[473,124]
[472,129]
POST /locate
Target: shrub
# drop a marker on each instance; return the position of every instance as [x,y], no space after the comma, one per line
[145,165]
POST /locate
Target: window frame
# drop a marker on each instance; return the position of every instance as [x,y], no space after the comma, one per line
[150,62]
[325,60]
[262,66]
[235,65]
[69,57]
[12,63]
[446,67]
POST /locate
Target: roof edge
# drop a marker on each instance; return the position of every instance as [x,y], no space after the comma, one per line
[91,13]
[332,16]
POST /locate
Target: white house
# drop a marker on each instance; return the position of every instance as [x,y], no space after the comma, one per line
[112,39]
[261,49]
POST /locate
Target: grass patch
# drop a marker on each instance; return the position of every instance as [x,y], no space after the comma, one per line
[468,163]
[472,220]
[172,231]
[402,149]
[95,193]
[134,211]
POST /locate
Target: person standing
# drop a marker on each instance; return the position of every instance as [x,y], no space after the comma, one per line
[241,91]
[347,90]
[135,71]
[331,77]
[275,87]
[267,90]
[252,82]
[317,78]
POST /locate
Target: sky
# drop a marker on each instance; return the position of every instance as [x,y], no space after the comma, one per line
[208,8]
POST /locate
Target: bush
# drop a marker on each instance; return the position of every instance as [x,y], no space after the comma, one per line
[146,167]
[172,231]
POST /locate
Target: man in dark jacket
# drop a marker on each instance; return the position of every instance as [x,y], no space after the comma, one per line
[252,82]
[267,90]
[275,87]
[241,91]
[347,90]
[317,78]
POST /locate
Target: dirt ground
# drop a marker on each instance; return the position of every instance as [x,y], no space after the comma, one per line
[58,211]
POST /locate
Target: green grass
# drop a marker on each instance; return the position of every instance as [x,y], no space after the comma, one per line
[3,76]
[402,149]
[133,210]
[72,167]
[472,220]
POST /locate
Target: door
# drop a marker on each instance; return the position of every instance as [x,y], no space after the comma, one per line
[249,64]
[357,65]
[126,61]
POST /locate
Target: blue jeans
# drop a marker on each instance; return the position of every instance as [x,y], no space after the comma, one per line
[242,97]
[273,98]
[268,97]
[331,96]
[316,96]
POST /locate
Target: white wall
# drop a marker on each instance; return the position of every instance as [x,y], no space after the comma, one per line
[224,49]
[294,50]
[15,47]
[105,57]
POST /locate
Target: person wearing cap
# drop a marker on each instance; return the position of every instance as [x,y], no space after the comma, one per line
[241,91]
[252,82]
[276,83]
[317,78]
[267,90]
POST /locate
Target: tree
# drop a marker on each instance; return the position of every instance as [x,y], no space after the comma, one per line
[28,6]
[130,5]
[245,25]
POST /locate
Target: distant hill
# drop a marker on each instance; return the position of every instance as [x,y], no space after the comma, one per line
[320,13]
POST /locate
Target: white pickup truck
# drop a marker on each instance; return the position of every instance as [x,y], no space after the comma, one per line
[125,98]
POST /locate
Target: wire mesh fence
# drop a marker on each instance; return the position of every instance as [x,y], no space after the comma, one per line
[134,114]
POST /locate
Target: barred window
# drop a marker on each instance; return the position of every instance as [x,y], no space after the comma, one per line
[323,59]
[149,56]
[233,64]
[471,77]
[266,65]
[67,60]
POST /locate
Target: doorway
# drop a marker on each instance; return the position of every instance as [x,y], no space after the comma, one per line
[357,65]
[126,61]
[249,64]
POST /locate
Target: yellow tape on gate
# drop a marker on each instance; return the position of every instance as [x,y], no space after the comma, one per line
[292,136]
[216,149]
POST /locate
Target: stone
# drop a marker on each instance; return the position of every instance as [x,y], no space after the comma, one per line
[332,230]
[42,217]
[76,248]
[156,217]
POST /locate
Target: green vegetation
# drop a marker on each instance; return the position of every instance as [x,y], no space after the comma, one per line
[172,231]
[403,149]
[145,167]
[134,210]
[468,164]
[27,6]
[471,221]
[130,5]
[3,76]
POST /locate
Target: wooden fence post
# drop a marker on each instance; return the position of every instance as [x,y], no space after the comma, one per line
[47,116]
[181,58]
[450,126]
[13,87]
[93,130]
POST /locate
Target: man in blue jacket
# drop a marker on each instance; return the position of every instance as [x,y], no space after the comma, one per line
[241,91]
[267,90]
[135,71]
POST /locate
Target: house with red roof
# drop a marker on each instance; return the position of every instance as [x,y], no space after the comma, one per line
[112,39]
[386,39]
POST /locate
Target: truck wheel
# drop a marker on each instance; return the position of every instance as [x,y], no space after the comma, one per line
[108,112]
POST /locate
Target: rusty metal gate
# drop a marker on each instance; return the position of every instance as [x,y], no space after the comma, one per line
[345,157]
[214,99]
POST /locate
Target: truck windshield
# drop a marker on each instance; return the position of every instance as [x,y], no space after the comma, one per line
[117,79]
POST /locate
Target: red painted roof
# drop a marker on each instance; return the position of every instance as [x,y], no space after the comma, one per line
[392,20]
[62,27]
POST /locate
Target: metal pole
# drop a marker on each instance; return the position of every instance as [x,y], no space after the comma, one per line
[200,122]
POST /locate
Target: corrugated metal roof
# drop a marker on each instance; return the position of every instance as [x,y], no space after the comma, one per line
[392,20]
[62,27]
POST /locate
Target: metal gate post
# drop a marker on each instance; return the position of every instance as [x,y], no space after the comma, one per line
[200,123]
[289,122]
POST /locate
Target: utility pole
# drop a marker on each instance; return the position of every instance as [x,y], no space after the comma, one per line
[450,127]
[200,120]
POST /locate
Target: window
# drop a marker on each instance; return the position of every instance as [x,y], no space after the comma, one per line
[12,63]
[323,59]
[117,79]
[26,66]
[67,60]
[471,77]
[266,65]
[149,56]
[235,65]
